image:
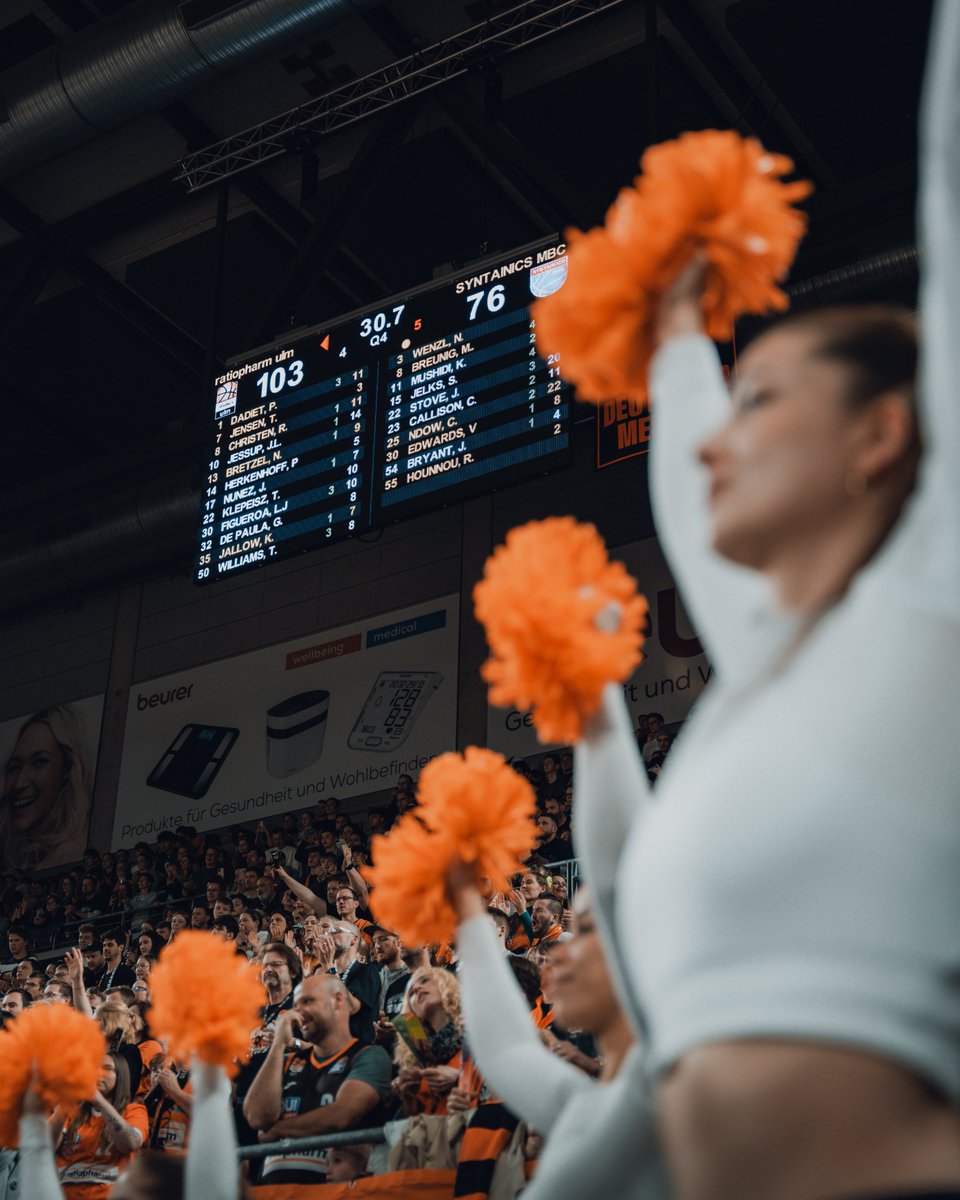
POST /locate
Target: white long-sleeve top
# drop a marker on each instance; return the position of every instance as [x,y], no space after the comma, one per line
[796,874]
[598,1136]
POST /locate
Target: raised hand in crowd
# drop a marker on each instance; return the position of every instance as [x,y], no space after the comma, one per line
[73,960]
[501,902]
[326,951]
[169,1084]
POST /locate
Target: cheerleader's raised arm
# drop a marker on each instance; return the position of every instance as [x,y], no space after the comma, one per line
[690,400]
[923,557]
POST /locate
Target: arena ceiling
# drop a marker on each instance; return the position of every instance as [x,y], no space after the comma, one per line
[114,311]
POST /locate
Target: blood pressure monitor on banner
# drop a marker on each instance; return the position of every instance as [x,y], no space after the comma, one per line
[395,702]
[423,401]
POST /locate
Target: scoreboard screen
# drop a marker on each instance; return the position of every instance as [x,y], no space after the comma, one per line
[419,402]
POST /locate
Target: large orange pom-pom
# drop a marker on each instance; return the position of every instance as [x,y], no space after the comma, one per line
[539,600]
[66,1050]
[473,808]
[712,190]
[407,879]
[483,807]
[206,1000]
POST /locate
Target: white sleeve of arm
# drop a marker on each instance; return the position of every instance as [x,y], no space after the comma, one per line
[934,524]
[37,1167]
[610,791]
[211,1170]
[690,401]
[532,1082]
[610,786]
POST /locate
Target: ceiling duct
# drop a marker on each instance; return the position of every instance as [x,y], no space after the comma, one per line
[131,532]
[147,56]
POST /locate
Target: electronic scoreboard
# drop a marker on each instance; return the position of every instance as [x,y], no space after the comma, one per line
[416,403]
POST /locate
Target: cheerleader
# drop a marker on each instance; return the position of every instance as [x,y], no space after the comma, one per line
[783,918]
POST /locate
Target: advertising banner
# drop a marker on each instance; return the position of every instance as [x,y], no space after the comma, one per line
[668,681]
[623,430]
[341,713]
[49,764]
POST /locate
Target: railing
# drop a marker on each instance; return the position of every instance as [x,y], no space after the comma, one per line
[326,1141]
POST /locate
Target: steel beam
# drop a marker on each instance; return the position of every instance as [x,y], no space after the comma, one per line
[502,34]
[322,242]
[751,112]
[183,349]
[532,184]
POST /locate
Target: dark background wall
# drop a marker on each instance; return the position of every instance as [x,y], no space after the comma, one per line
[113,639]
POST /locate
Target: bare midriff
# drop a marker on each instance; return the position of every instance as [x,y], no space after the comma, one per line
[778,1120]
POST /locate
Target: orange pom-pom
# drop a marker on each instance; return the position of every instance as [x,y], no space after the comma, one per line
[64,1048]
[483,807]
[539,601]
[712,190]
[206,1000]
[408,887]
[473,808]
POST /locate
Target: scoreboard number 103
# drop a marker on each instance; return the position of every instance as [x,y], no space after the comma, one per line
[288,375]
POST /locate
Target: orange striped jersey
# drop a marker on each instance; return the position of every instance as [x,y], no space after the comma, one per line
[550,936]
[309,1083]
[87,1161]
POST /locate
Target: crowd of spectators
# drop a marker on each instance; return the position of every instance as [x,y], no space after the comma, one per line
[358,1027]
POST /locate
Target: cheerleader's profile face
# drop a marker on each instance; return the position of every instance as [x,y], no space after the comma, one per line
[578,977]
[779,462]
[796,458]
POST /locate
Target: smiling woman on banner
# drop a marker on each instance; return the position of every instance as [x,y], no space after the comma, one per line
[47,792]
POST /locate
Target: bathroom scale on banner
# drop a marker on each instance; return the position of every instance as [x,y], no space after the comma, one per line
[193,759]
[391,709]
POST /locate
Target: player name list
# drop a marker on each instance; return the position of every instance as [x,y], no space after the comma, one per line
[290,468]
[465,406]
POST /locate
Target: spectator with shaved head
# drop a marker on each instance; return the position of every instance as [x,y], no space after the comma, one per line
[316,1079]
